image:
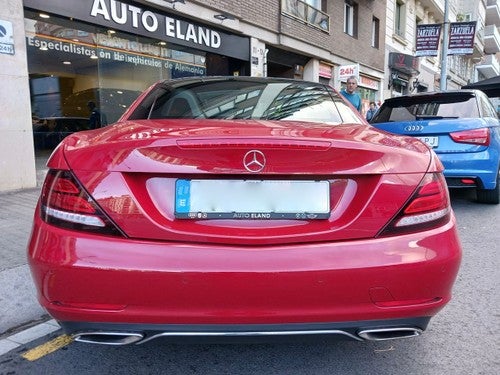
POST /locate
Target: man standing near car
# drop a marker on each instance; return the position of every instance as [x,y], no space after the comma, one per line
[350,93]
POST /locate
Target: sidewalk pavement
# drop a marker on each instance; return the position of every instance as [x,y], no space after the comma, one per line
[18,304]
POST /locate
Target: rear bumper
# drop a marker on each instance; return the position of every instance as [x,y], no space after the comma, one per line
[97,279]
[480,166]
[122,334]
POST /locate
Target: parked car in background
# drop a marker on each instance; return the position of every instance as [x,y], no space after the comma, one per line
[462,127]
[49,131]
[225,207]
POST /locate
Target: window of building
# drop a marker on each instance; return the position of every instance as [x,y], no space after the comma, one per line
[314,3]
[375,32]
[309,11]
[400,18]
[460,65]
[351,18]
[467,17]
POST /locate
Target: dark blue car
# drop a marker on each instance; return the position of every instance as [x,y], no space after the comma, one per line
[461,126]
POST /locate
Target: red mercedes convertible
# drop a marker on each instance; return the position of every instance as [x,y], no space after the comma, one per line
[239,207]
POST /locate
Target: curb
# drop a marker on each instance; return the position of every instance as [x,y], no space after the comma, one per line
[26,336]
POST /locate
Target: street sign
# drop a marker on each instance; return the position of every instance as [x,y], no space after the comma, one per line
[6,38]
[346,71]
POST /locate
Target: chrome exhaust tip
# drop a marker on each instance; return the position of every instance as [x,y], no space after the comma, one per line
[126,338]
[108,338]
[383,334]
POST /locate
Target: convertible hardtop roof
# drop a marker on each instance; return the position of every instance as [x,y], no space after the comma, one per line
[189,80]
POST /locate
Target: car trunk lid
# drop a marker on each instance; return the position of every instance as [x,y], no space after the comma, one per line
[134,173]
[435,132]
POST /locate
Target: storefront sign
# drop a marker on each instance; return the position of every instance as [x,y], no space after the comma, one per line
[325,70]
[48,43]
[407,64]
[259,57]
[140,20]
[345,71]
[149,21]
[427,43]
[6,38]
[369,83]
[461,38]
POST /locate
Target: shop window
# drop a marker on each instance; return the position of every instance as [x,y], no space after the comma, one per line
[71,64]
[399,88]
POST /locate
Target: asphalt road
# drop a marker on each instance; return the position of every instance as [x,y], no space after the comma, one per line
[464,338]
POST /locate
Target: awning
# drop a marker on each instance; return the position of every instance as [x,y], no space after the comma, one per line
[490,86]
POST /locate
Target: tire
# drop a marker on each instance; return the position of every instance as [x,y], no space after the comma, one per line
[490,196]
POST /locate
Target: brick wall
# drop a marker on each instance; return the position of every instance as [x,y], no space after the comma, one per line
[358,48]
[267,15]
[262,13]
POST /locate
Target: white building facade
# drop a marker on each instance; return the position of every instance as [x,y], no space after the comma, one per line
[406,73]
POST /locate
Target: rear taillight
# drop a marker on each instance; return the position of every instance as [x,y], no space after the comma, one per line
[474,136]
[66,204]
[429,207]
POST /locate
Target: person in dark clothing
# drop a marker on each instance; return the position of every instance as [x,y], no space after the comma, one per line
[371,112]
[95,116]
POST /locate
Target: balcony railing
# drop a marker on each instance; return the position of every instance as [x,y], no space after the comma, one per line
[492,12]
[307,13]
[491,39]
[489,67]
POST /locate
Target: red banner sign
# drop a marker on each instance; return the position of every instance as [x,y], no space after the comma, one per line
[462,38]
[427,43]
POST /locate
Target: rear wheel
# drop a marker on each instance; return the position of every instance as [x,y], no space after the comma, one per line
[491,196]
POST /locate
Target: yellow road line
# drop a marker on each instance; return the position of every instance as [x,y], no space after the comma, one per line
[47,348]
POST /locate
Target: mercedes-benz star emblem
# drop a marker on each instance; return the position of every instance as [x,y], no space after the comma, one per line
[254,161]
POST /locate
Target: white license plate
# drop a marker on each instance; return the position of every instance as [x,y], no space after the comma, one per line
[430,141]
[252,199]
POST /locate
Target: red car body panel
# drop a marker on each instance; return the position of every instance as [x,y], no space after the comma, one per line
[119,280]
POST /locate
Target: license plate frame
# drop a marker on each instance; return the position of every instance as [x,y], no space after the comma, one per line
[431,141]
[252,199]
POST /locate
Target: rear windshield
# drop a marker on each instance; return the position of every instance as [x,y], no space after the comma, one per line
[428,107]
[257,100]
